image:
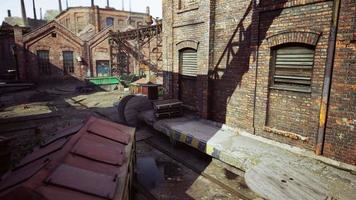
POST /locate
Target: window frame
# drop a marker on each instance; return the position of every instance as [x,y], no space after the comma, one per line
[181,52]
[295,87]
[111,19]
[44,66]
[68,69]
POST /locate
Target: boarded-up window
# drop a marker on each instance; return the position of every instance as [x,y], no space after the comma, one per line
[292,68]
[68,62]
[188,62]
[43,62]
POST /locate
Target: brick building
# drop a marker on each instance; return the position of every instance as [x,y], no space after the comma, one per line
[73,45]
[265,66]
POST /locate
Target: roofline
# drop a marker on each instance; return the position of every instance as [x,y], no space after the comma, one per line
[88,7]
[75,37]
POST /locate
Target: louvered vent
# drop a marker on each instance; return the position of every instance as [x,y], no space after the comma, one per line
[188,60]
[293,68]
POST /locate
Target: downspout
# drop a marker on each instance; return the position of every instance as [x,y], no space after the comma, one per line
[256,16]
[327,79]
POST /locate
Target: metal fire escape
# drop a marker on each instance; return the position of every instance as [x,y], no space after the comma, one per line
[133,42]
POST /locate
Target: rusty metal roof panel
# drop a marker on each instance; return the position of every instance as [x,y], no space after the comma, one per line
[51,192]
[70,166]
[102,151]
[18,176]
[92,165]
[111,131]
[62,134]
[86,181]
[42,152]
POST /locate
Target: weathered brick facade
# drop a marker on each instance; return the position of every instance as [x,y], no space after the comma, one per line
[235,42]
[81,30]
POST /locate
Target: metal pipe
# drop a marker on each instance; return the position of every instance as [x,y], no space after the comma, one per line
[327,79]
[107,3]
[23,12]
[60,5]
[34,9]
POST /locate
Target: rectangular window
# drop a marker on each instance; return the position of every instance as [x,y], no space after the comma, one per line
[292,68]
[43,62]
[188,62]
[68,62]
[109,21]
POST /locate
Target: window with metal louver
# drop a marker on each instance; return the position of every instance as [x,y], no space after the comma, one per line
[292,68]
[188,62]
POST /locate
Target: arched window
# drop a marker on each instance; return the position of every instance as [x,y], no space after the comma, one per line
[188,62]
[292,67]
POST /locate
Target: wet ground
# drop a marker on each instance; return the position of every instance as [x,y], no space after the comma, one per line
[180,172]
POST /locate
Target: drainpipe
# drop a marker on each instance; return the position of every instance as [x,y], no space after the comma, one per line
[327,79]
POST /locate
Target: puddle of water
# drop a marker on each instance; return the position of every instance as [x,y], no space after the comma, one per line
[171,171]
[148,173]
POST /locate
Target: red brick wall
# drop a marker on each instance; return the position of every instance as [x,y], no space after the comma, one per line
[340,138]
[241,36]
[55,45]
[294,112]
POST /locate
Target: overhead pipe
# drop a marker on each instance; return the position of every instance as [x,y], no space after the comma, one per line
[327,79]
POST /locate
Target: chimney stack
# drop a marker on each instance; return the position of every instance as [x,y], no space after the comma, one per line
[41,13]
[23,12]
[107,3]
[60,5]
[67,4]
[92,3]
[34,9]
[148,10]
[9,13]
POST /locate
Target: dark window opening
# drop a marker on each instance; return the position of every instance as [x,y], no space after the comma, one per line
[109,21]
[68,62]
[43,62]
[292,68]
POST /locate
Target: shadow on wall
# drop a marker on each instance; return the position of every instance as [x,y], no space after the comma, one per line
[225,78]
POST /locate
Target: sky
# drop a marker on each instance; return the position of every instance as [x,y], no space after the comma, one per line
[136,5]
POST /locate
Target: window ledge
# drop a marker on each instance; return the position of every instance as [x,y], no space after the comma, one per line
[291,89]
[189,8]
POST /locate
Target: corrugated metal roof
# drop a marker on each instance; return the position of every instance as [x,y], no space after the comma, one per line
[85,165]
